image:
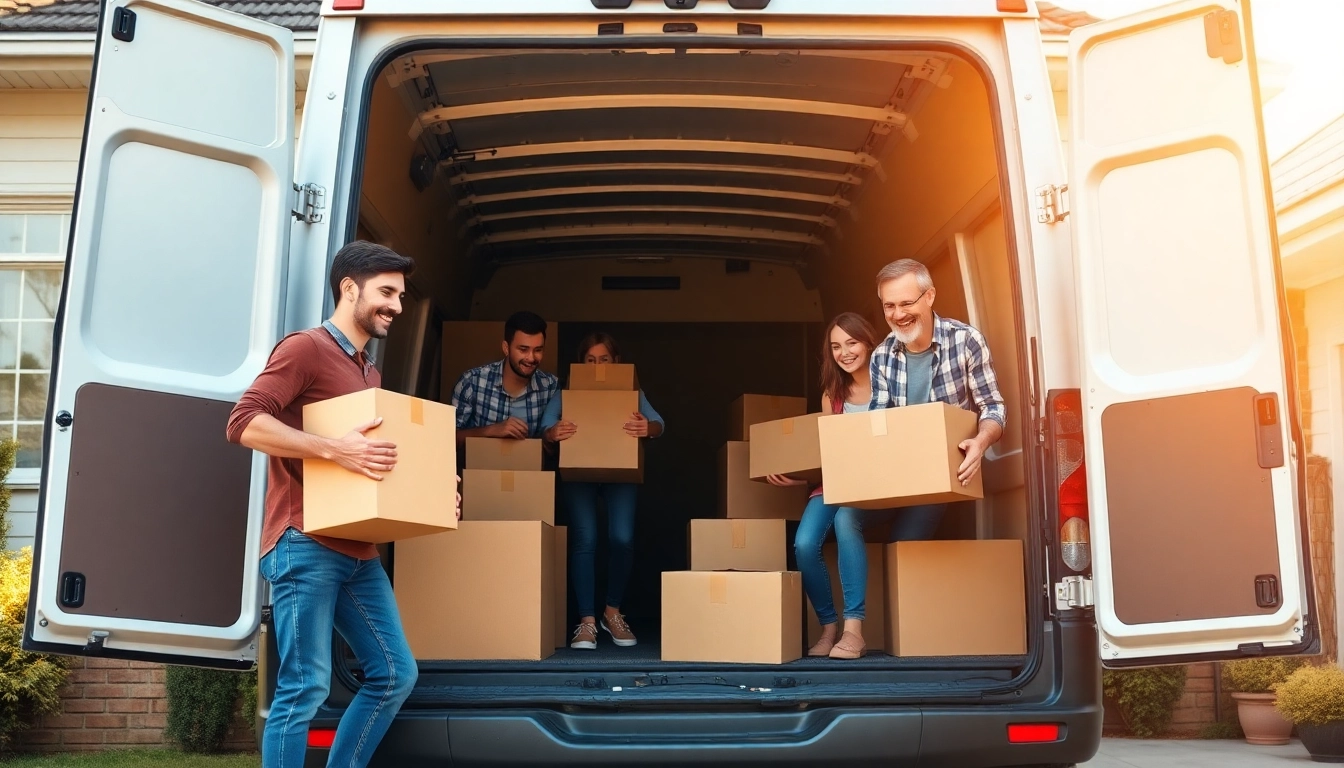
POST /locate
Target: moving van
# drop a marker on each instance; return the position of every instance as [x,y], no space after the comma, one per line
[710,181]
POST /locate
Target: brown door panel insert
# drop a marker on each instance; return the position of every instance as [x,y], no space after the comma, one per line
[156,509]
[1191,508]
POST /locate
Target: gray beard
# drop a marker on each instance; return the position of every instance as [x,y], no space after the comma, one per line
[909,337]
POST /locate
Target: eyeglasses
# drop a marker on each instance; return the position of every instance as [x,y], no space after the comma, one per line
[905,306]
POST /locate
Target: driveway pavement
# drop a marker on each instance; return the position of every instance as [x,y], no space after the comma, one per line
[1164,753]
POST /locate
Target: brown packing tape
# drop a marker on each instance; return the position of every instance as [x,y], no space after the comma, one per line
[417,412]
[877,422]
[600,372]
[786,427]
[718,588]
[506,482]
[739,534]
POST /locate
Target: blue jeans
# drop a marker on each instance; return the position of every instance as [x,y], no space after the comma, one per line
[917,523]
[818,519]
[581,503]
[313,591]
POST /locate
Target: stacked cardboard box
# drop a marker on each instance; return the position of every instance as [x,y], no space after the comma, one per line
[469,343]
[504,482]
[955,598]
[599,401]
[741,497]
[416,498]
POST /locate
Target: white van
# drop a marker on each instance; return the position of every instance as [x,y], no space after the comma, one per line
[711,180]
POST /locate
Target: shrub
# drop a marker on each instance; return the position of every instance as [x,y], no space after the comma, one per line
[30,683]
[1146,696]
[1221,730]
[1261,675]
[200,707]
[247,692]
[1313,695]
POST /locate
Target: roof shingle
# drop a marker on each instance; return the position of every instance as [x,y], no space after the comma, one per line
[1310,167]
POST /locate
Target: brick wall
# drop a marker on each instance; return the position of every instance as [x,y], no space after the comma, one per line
[111,704]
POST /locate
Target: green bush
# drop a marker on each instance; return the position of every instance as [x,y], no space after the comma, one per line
[247,691]
[1221,730]
[30,683]
[1146,696]
[200,707]
[1313,695]
[1260,675]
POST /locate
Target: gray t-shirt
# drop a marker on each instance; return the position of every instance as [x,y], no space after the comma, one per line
[919,377]
[848,407]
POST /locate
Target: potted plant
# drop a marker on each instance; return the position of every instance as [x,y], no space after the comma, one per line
[1312,698]
[1253,683]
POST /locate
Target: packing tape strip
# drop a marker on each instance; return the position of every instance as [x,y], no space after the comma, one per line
[417,411]
[786,427]
[718,588]
[506,482]
[877,422]
[601,373]
[739,534]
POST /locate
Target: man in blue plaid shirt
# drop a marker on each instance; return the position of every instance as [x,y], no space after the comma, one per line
[507,398]
[928,359]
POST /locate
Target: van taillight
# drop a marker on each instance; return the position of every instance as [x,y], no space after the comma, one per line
[321,738]
[1071,475]
[1033,733]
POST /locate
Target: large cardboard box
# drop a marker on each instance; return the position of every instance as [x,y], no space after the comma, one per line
[956,598]
[786,447]
[738,545]
[448,588]
[732,617]
[503,494]
[875,601]
[416,498]
[601,451]
[469,343]
[740,497]
[503,453]
[897,457]
[561,586]
[757,409]
[603,376]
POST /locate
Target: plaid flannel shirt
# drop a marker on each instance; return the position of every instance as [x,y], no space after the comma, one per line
[963,373]
[480,398]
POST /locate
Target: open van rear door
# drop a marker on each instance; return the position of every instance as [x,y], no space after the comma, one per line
[149,521]
[1189,416]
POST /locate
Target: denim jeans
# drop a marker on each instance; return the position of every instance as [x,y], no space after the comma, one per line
[818,519]
[581,504]
[917,523]
[313,591]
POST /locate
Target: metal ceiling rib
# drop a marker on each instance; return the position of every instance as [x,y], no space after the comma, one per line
[746,156]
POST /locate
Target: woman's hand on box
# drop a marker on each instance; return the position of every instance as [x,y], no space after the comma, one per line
[637,426]
[459,497]
[784,481]
[563,430]
[357,453]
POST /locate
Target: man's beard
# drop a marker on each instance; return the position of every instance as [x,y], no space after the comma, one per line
[911,335]
[366,320]
[518,372]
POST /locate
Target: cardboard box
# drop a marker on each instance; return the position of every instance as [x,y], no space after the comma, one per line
[733,617]
[416,498]
[603,377]
[897,457]
[449,586]
[738,545]
[741,498]
[469,343]
[561,587]
[503,453]
[956,598]
[601,452]
[757,409]
[786,447]
[875,601]
[503,494]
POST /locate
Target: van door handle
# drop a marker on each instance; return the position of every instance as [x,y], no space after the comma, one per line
[1268,437]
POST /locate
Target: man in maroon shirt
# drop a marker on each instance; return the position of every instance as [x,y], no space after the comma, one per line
[319,583]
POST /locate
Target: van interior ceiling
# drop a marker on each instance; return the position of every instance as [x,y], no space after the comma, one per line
[712,208]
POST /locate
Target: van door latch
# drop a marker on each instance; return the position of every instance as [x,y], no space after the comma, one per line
[1074,592]
[309,202]
[1051,206]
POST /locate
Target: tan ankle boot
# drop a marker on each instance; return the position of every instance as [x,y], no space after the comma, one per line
[851,646]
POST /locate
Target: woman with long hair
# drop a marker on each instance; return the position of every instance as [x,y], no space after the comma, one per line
[846,388]
[580,500]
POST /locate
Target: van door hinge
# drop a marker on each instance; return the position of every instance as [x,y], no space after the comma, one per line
[1074,592]
[1051,205]
[309,202]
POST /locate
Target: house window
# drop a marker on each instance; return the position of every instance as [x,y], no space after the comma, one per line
[32,254]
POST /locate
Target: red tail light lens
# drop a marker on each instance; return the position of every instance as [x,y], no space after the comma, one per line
[321,738]
[1033,733]
[1071,474]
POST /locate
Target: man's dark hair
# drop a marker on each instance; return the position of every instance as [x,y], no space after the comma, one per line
[529,323]
[361,260]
